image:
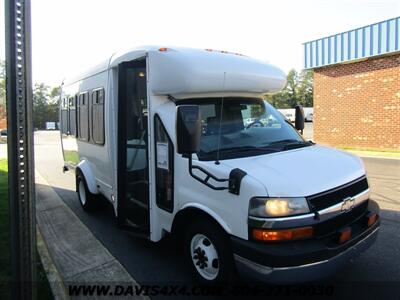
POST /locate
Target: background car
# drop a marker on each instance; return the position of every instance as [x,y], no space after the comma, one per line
[309,117]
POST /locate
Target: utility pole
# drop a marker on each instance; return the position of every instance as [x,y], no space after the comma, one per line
[20,148]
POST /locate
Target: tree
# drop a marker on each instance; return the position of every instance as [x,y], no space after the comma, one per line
[55,94]
[278,100]
[291,90]
[54,104]
[45,105]
[45,101]
[298,90]
[305,88]
[40,98]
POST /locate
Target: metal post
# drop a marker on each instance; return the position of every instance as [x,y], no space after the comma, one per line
[20,148]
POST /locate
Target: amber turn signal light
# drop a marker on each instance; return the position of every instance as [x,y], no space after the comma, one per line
[371,219]
[344,235]
[282,235]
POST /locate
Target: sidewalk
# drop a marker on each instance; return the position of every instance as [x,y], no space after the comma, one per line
[375,154]
[70,253]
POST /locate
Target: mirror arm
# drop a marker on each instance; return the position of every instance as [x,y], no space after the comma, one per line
[209,175]
[172,98]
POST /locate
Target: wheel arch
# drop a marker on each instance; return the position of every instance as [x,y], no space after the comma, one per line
[191,212]
[84,169]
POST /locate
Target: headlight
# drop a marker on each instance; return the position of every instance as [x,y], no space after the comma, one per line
[277,207]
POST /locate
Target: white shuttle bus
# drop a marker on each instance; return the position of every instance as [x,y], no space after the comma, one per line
[181,141]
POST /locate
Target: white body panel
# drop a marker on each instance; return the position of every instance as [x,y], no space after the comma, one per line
[301,172]
[184,73]
[199,73]
[97,158]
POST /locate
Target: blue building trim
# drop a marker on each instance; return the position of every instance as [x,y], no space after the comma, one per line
[335,44]
[397,33]
[329,51]
[371,40]
[305,56]
[356,44]
[363,42]
[368,41]
[380,38]
[387,36]
[342,47]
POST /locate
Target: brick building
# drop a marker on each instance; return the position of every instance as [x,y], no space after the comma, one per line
[357,86]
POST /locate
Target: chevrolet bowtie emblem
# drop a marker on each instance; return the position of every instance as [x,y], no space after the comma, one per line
[348,204]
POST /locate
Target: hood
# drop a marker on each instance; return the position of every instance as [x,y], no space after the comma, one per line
[301,172]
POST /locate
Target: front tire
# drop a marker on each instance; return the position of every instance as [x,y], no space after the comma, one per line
[208,252]
[87,199]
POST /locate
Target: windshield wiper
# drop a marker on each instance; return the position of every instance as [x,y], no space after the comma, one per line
[296,145]
[244,149]
[287,141]
[291,144]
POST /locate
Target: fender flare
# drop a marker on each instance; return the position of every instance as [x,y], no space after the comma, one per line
[209,212]
[85,169]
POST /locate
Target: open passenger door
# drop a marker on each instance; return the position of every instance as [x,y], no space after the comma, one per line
[133,163]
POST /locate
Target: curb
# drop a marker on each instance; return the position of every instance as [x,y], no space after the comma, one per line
[53,276]
[69,251]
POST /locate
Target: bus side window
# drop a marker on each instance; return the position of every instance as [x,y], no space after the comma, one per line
[64,117]
[164,167]
[97,116]
[83,117]
[72,116]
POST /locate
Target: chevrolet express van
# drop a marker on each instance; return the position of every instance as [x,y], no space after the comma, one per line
[181,141]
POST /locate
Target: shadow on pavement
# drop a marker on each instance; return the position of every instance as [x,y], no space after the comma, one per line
[375,274]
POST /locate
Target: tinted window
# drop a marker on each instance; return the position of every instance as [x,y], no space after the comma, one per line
[64,117]
[248,126]
[164,167]
[97,120]
[72,115]
[83,117]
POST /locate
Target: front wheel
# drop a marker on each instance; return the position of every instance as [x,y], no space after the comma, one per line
[208,252]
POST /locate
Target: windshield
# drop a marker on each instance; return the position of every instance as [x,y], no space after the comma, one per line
[249,126]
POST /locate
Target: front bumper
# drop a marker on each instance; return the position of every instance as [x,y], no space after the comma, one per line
[302,261]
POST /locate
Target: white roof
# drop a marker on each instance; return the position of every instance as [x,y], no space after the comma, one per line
[184,72]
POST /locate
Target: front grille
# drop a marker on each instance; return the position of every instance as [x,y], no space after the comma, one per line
[336,195]
[332,225]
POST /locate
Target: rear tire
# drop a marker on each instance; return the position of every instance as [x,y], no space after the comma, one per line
[88,200]
[208,252]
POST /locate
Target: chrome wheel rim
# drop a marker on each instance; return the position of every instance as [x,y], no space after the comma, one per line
[82,193]
[204,256]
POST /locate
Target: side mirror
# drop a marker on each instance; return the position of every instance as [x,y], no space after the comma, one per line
[188,129]
[299,119]
[188,133]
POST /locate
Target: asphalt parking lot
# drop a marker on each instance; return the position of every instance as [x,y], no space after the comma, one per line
[162,262]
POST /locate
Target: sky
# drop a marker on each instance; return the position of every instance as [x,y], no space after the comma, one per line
[69,36]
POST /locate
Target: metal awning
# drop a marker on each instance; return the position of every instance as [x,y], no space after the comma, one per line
[364,42]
